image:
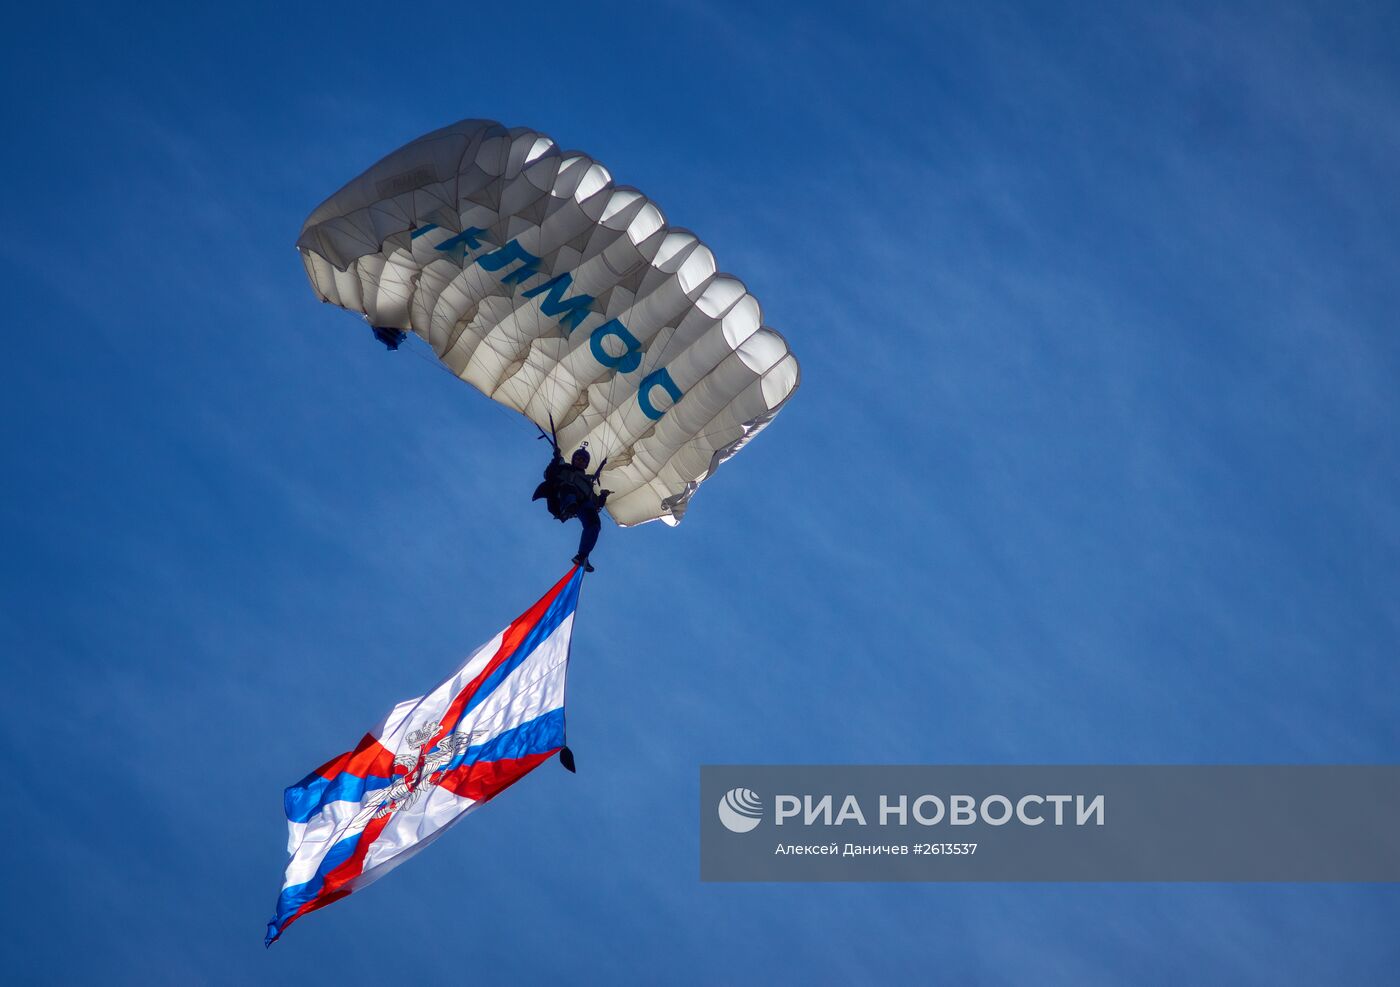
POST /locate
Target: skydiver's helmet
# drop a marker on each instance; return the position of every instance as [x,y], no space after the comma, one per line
[580,458]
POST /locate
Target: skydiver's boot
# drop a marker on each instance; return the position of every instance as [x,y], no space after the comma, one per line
[583,561]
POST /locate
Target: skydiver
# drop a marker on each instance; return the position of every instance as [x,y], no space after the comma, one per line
[568,492]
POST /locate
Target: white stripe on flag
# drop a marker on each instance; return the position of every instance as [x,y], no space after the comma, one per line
[533,689]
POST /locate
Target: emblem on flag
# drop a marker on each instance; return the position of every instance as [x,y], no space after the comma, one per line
[434,759]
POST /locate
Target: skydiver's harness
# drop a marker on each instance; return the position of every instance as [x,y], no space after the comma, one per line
[566,488]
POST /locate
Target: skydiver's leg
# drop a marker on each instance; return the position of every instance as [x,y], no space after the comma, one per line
[592,525]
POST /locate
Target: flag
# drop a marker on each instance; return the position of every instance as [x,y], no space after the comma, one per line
[432,761]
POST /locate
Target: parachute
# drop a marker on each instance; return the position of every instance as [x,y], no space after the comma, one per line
[562,295]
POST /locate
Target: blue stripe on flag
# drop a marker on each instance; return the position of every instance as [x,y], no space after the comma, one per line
[543,733]
[304,799]
[296,895]
[563,605]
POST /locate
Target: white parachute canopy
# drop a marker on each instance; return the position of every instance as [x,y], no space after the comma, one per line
[557,293]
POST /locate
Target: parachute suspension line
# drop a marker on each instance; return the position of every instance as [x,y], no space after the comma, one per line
[555,380]
[611,402]
[431,361]
[555,390]
[550,370]
[553,387]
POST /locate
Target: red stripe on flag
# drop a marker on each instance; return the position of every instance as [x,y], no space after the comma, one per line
[333,886]
[487,779]
[510,640]
[369,757]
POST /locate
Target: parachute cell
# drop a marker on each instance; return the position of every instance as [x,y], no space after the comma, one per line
[562,295]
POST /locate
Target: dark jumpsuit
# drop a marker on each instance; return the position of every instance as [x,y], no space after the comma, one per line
[569,493]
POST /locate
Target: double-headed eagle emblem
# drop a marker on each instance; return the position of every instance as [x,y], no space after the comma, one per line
[420,766]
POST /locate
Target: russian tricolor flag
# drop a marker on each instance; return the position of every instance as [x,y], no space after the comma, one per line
[432,761]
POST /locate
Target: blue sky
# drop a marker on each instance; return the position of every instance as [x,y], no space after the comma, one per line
[1094,460]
